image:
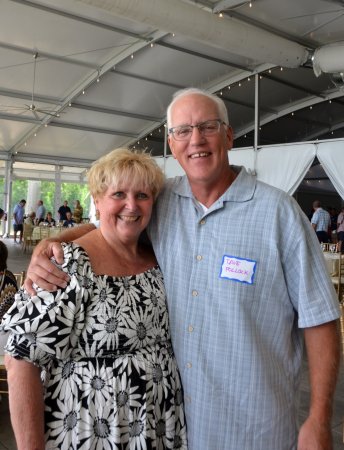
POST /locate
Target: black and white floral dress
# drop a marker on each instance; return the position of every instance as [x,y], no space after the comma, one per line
[110,376]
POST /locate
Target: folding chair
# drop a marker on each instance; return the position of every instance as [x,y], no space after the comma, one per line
[20,278]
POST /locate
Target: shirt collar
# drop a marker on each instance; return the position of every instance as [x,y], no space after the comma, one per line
[241,190]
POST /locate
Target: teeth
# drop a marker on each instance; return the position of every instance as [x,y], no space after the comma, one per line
[199,155]
[129,218]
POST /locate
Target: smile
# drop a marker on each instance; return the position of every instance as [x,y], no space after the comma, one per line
[200,155]
[129,218]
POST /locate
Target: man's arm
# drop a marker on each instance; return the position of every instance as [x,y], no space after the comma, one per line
[41,270]
[26,403]
[323,350]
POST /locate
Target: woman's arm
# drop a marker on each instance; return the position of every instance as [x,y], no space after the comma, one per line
[26,403]
[41,270]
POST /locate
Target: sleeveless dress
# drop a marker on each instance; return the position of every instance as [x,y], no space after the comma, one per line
[110,376]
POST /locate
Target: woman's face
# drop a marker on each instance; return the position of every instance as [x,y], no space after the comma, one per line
[125,210]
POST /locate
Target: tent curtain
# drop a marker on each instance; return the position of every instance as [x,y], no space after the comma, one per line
[283,166]
[331,156]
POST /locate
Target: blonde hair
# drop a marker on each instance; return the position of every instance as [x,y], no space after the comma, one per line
[123,166]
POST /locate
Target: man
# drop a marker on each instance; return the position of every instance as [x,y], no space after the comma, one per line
[63,209]
[69,222]
[40,212]
[18,219]
[321,222]
[236,256]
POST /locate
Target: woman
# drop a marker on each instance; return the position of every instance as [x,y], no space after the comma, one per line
[8,284]
[8,288]
[49,221]
[111,380]
[340,231]
[78,212]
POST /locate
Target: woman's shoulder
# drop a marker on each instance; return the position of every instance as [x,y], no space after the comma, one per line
[74,256]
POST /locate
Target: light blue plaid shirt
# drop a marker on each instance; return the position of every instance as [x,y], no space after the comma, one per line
[241,280]
[321,219]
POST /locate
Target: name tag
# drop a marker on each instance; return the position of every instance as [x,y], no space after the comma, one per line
[238,269]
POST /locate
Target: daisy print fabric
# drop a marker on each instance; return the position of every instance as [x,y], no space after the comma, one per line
[103,344]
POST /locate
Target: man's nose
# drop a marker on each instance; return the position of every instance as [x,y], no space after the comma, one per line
[196,136]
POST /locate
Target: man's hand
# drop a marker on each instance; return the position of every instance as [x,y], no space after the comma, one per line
[42,271]
[315,436]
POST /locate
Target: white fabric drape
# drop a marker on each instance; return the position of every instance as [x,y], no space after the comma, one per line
[331,156]
[282,166]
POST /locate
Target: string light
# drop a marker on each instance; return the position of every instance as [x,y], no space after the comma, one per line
[221,15]
[83,92]
[250,5]
[132,56]
[152,45]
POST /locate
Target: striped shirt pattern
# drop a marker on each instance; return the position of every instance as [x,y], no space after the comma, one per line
[239,344]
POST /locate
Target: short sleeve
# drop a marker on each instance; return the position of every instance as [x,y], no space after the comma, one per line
[48,325]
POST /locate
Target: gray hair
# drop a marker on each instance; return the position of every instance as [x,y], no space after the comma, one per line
[223,113]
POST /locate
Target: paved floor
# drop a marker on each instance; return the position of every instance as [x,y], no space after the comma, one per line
[18,261]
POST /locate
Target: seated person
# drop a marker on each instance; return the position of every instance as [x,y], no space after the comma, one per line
[49,220]
[8,288]
[69,222]
[30,219]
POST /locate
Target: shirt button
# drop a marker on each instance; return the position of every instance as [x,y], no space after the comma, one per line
[189,365]
[190,328]
[199,257]
[202,222]
[194,293]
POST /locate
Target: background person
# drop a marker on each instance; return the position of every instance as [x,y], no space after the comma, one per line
[40,212]
[18,219]
[321,222]
[30,219]
[240,307]
[69,222]
[49,220]
[8,283]
[62,211]
[104,340]
[8,288]
[340,230]
[78,212]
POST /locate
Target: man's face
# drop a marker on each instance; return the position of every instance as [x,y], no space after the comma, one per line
[204,158]
[65,203]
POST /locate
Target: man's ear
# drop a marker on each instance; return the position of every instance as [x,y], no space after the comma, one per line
[171,144]
[229,136]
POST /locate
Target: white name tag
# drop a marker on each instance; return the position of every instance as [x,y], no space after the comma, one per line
[238,269]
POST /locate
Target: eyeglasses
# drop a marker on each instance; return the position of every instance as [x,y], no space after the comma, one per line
[207,128]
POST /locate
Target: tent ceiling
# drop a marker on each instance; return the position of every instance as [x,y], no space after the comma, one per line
[106,69]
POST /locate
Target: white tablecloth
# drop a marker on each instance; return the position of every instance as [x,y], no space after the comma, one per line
[332,260]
